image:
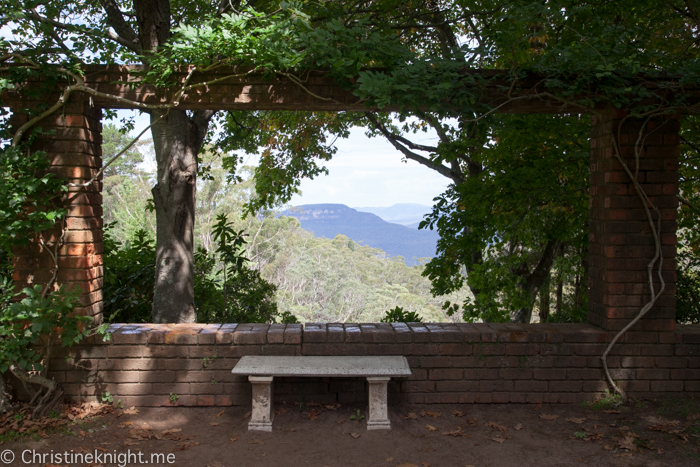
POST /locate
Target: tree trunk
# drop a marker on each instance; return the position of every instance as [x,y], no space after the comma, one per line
[560,296]
[532,282]
[177,139]
[544,301]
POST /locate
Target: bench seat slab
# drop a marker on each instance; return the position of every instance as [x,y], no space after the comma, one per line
[350,366]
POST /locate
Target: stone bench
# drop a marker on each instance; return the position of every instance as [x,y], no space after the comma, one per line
[377,369]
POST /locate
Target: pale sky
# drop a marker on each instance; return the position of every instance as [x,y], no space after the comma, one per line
[364,172]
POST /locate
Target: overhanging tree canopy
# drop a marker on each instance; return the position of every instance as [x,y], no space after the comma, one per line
[416,58]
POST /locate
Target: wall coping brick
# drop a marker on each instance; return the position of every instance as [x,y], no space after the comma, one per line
[382,333]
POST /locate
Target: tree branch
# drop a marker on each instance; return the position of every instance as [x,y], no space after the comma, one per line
[84,30]
[688,203]
[393,139]
[115,19]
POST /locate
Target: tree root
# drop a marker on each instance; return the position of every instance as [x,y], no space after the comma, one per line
[5,404]
[49,402]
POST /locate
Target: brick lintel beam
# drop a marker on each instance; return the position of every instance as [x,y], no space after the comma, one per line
[237,88]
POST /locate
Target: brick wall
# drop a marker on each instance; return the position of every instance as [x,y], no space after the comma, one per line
[451,363]
[621,243]
[73,143]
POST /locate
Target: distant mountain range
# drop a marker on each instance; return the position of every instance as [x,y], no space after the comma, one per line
[329,220]
[406,214]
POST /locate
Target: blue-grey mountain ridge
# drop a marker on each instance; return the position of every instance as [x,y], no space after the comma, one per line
[329,220]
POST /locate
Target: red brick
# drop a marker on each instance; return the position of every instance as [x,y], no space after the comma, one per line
[419,386]
[490,349]
[445,373]
[686,374]
[420,349]
[435,362]
[124,351]
[565,386]
[652,373]
[666,386]
[549,374]
[457,386]
[522,349]
[455,349]
[480,373]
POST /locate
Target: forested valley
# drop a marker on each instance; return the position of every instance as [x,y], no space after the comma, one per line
[277,271]
[313,279]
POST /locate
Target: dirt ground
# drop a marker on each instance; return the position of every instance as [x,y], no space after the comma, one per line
[647,433]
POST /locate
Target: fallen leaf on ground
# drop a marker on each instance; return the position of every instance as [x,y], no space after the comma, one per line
[181,437]
[578,421]
[472,422]
[340,421]
[411,416]
[256,441]
[129,442]
[457,432]
[219,414]
[457,413]
[313,415]
[131,411]
[612,411]
[425,464]
[247,414]
[171,431]
[498,440]
[333,406]
[666,427]
[407,464]
[627,442]
[185,446]
[496,426]
[538,406]
[355,435]
[390,459]
[518,427]
[214,423]
[545,416]
[281,410]
[234,438]
[430,414]
[290,429]
[609,447]
[431,428]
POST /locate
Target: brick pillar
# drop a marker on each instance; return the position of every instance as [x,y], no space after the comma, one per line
[75,152]
[620,239]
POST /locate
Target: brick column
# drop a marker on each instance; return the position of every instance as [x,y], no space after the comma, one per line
[620,239]
[75,151]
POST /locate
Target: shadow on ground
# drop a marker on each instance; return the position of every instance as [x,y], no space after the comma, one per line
[648,433]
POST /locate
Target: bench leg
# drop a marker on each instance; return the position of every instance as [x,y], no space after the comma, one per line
[378,406]
[261,415]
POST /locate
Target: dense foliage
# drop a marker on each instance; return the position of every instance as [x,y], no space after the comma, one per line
[688,273]
[227,290]
[510,236]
